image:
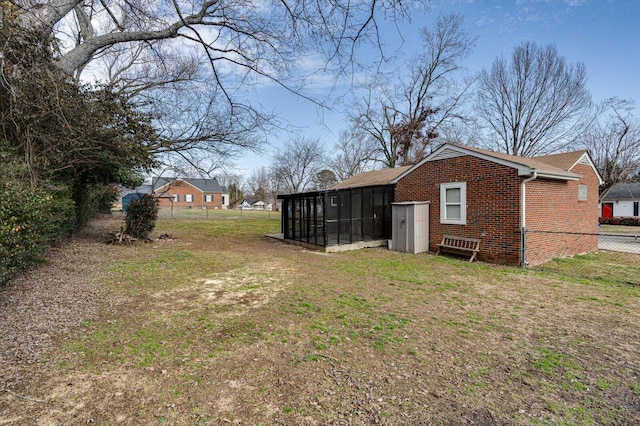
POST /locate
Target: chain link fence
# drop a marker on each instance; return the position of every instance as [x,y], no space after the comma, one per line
[199,213]
[616,260]
[624,243]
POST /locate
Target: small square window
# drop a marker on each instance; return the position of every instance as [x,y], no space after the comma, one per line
[334,201]
[582,192]
[208,198]
[176,198]
[188,198]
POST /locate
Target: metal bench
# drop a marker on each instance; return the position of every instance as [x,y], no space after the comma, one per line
[459,245]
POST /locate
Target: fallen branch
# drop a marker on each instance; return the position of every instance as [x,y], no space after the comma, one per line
[27,398]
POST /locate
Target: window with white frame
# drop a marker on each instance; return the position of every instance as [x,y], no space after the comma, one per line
[176,198]
[453,203]
[582,192]
[208,198]
[188,198]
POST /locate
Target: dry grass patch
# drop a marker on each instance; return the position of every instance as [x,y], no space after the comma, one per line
[221,326]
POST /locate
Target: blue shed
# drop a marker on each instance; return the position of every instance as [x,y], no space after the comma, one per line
[127,199]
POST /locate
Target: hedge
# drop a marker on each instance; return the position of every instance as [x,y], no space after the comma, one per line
[31,219]
[628,221]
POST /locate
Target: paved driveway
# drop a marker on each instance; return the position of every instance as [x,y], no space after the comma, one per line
[619,242]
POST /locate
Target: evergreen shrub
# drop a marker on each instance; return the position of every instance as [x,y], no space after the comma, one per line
[31,219]
[141,216]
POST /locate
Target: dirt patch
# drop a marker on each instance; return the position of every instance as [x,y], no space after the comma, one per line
[214,329]
[49,300]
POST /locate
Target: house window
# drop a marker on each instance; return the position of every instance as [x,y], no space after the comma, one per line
[176,198]
[223,200]
[334,202]
[636,206]
[582,192]
[188,198]
[208,198]
[453,203]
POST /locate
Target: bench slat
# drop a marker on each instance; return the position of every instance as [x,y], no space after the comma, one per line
[459,245]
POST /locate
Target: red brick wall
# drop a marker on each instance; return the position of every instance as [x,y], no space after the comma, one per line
[182,188]
[556,218]
[493,204]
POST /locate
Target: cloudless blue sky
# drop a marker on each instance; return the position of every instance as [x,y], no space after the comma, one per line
[602,34]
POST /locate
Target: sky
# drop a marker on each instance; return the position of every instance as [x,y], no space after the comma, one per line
[602,34]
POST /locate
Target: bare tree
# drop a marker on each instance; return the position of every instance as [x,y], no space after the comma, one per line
[297,163]
[235,193]
[535,104]
[324,179]
[190,63]
[254,38]
[260,183]
[614,141]
[403,120]
[353,154]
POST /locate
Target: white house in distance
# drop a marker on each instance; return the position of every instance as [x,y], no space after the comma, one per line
[255,204]
[621,200]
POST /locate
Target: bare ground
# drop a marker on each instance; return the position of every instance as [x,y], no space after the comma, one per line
[280,337]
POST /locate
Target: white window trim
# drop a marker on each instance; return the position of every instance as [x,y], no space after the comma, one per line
[188,198]
[463,203]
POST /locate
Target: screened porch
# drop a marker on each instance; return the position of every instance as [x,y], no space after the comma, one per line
[338,217]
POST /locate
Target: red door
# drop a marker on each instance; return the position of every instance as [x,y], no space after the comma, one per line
[607,209]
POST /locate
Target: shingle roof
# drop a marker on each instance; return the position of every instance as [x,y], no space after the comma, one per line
[549,163]
[623,191]
[377,177]
[204,185]
[564,161]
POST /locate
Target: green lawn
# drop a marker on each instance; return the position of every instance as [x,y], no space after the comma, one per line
[619,229]
[221,326]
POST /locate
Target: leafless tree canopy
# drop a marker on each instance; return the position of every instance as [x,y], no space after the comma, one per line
[351,155]
[190,62]
[404,119]
[263,38]
[296,164]
[535,104]
[614,141]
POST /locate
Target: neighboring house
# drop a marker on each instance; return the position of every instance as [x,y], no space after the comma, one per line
[621,200]
[524,210]
[190,193]
[225,197]
[255,204]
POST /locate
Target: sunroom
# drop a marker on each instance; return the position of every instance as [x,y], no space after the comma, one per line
[355,213]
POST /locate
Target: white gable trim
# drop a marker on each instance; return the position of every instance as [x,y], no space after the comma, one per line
[173,182]
[447,151]
[585,160]
[161,187]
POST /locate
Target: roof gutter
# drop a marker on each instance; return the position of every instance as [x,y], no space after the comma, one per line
[523,210]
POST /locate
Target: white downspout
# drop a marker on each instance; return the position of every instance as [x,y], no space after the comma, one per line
[523,220]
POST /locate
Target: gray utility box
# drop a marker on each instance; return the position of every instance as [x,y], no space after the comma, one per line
[410,226]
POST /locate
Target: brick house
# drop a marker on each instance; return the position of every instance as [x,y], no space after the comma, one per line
[525,211]
[190,193]
[494,197]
